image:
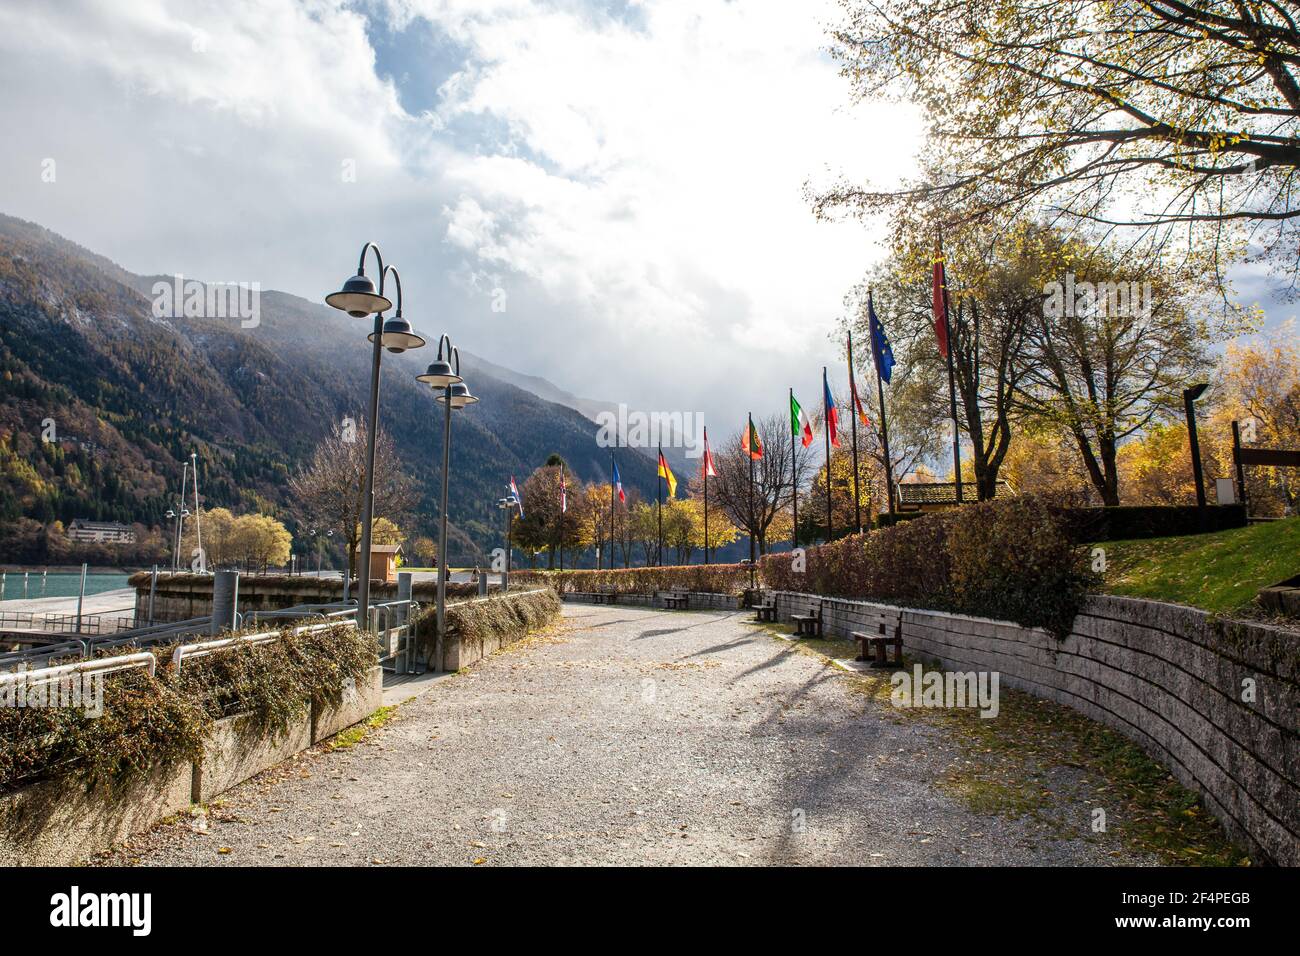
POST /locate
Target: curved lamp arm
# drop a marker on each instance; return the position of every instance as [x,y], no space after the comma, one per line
[445,338]
[454,356]
[397,277]
[361,263]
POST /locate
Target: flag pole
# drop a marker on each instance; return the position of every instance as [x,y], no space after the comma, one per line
[659,508]
[749,440]
[826,418]
[853,421]
[706,496]
[952,379]
[613,468]
[884,424]
[563,495]
[794,476]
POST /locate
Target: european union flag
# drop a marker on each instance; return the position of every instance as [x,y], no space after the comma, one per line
[880,348]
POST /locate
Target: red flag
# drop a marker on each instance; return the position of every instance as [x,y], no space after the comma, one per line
[940,303]
[708,457]
[564,492]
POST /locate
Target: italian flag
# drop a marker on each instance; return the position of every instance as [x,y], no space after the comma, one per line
[799,423]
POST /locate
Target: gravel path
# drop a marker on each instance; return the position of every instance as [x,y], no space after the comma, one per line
[630,736]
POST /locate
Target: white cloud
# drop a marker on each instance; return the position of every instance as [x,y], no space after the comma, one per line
[635,182]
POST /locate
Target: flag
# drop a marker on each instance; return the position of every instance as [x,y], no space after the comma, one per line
[667,474]
[564,492]
[519,499]
[832,415]
[857,401]
[799,423]
[708,458]
[751,443]
[880,348]
[940,302]
[618,484]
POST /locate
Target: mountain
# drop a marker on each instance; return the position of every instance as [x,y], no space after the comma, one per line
[126,397]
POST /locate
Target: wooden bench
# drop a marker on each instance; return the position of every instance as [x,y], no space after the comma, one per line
[765,612]
[676,600]
[604,596]
[885,630]
[808,625]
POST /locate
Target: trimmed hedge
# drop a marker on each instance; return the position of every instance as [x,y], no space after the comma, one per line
[1124,522]
[151,722]
[705,578]
[1011,560]
[474,621]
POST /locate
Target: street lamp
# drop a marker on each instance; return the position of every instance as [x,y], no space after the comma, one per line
[1190,395]
[359,298]
[444,374]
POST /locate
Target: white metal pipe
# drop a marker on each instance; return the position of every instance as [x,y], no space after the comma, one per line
[102,665]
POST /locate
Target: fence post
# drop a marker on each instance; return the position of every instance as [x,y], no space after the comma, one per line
[81,596]
[405,663]
[482,582]
[225,601]
[153,588]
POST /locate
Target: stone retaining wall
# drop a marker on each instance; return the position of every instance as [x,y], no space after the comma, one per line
[1170,678]
[55,823]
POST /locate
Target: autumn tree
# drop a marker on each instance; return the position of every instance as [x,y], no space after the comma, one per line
[721,530]
[773,474]
[1172,121]
[1261,390]
[540,527]
[331,487]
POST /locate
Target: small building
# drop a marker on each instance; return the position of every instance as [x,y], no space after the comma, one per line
[100,532]
[927,496]
[383,562]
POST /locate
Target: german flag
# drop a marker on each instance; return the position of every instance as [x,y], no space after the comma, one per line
[666,473]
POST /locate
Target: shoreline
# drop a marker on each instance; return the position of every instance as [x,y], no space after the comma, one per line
[65,569]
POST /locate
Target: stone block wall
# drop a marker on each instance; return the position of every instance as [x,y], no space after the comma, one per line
[1216,702]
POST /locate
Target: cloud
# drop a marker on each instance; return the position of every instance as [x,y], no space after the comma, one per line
[631,176]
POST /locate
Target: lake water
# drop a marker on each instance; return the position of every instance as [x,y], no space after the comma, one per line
[58,585]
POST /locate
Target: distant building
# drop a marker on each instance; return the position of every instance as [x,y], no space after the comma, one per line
[383,562]
[938,495]
[101,532]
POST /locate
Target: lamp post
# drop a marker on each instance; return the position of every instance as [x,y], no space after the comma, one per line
[359,298]
[1190,395]
[508,505]
[443,375]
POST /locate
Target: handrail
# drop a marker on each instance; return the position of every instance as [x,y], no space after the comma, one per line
[101,665]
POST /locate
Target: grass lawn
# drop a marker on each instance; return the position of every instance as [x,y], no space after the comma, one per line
[1217,572]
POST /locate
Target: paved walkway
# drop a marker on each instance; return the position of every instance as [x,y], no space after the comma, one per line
[630,736]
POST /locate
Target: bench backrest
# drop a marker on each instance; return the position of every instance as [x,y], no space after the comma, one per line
[887,621]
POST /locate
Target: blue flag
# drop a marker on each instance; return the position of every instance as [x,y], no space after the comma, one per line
[880,348]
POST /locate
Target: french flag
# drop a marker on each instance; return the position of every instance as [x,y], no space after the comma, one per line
[832,415]
[519,499]
[618,484]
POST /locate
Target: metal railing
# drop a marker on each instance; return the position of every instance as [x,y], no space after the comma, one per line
[391,622]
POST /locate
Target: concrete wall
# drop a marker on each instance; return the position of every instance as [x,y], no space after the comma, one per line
[57,823]
[1171,678]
